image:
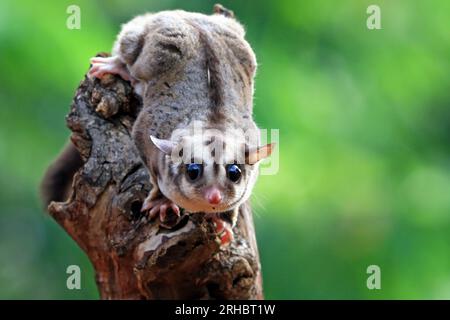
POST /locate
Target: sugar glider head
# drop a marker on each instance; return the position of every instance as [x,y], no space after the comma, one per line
[206,173]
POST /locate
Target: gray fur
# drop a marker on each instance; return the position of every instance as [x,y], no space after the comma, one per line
[190,67]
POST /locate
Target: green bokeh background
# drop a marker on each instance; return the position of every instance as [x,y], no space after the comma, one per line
[364,125]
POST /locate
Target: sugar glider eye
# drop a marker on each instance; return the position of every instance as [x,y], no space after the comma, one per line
[194,171]
[233,172]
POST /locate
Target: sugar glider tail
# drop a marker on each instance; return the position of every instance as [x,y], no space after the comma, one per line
[57,181]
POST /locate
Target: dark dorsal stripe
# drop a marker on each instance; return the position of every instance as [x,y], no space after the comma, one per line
[215,84]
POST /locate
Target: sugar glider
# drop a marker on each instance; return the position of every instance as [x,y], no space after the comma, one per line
[193,71]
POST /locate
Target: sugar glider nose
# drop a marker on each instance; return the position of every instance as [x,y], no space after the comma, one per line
[213,195]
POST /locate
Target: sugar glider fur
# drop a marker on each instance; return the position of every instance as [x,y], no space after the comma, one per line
[191,70]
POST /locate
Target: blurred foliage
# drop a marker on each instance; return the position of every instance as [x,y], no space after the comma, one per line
[364,125]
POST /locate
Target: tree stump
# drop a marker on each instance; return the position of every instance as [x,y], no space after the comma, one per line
[133,257]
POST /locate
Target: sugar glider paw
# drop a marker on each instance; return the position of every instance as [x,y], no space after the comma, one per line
[167,211]
[108,65]
[224,231]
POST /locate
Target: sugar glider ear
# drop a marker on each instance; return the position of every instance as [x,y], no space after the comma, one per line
[165,146]
[254,155]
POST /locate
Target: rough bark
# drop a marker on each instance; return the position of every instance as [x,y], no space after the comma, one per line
[135,258]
